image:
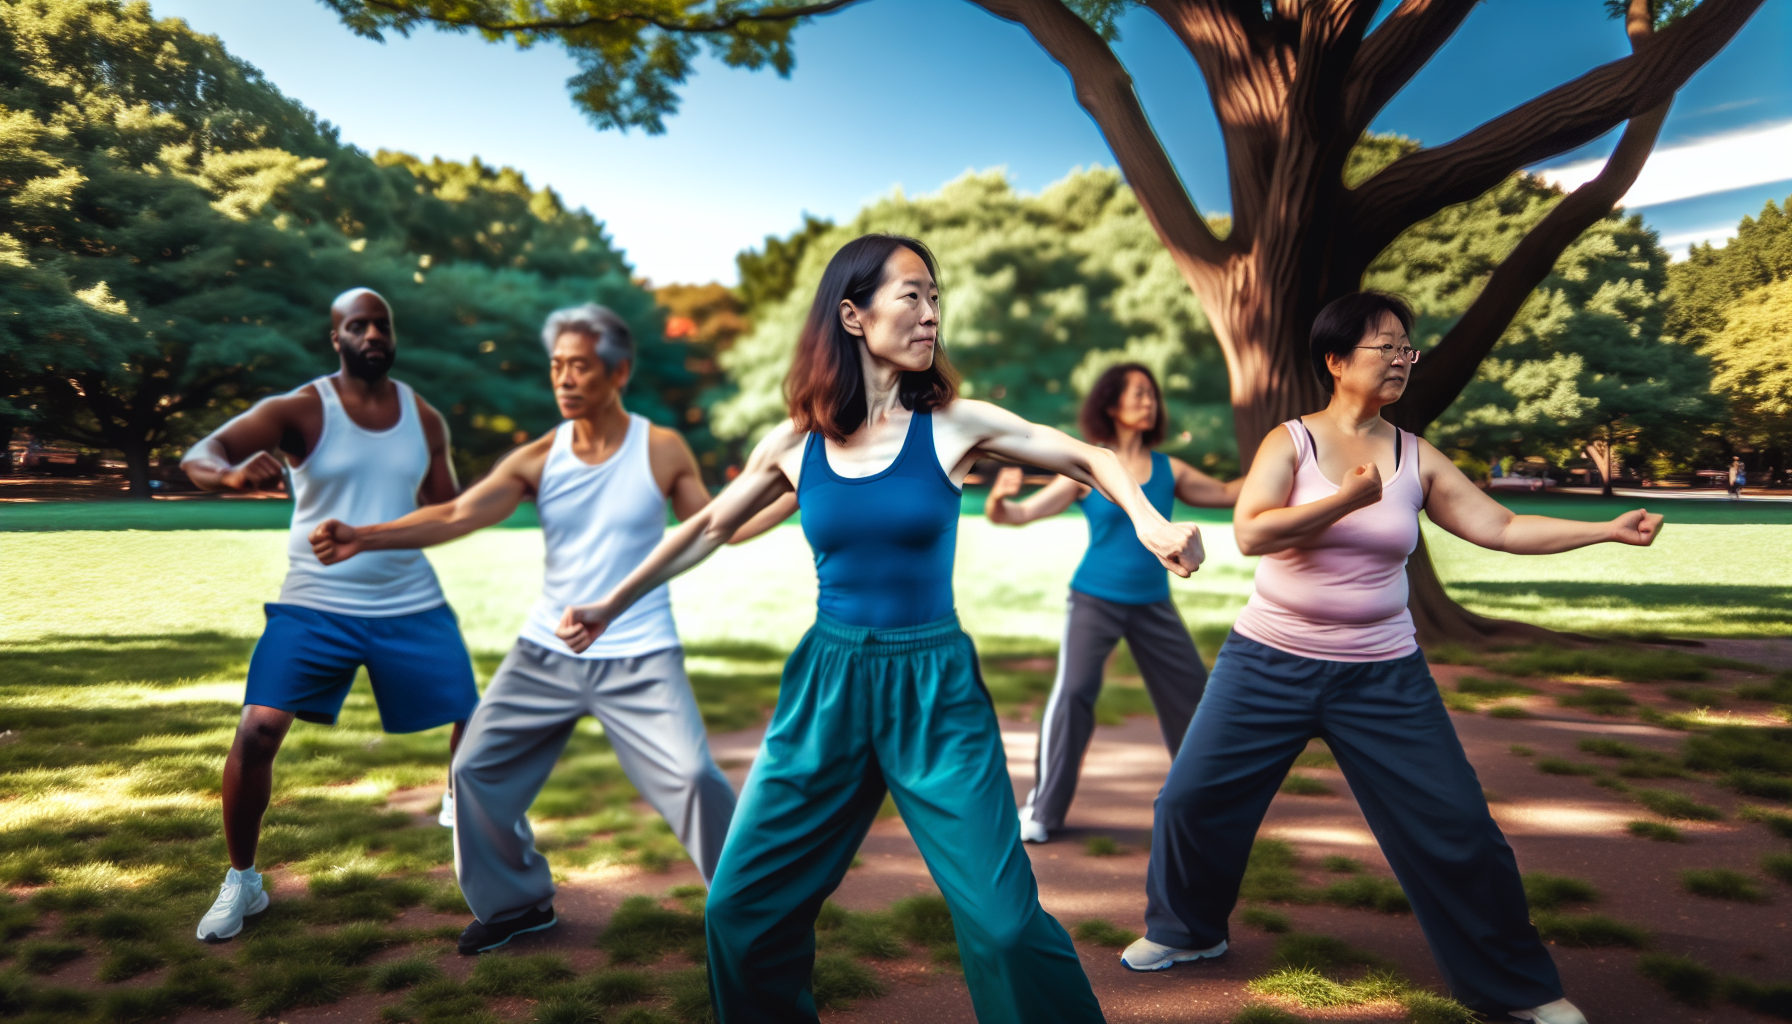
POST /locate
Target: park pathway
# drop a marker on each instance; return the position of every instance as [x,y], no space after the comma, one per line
[1561,825]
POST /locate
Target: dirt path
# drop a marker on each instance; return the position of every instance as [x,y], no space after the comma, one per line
[1558,824]
[1562,825]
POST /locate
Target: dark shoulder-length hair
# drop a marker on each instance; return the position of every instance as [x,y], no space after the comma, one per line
[825,389]
[1340,326]
[1098,423]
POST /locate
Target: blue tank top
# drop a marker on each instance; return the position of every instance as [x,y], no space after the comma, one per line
[1117,567]
[883,543]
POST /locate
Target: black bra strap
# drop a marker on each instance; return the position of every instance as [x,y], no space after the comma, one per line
[1310,440]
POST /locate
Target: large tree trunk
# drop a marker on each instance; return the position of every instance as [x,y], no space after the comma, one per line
[1294,86]
[1441,620]
[136,462]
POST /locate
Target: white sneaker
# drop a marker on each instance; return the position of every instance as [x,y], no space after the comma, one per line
[1559,1012]
[446,818]
[1031,831]
[240,896]
[1145,955]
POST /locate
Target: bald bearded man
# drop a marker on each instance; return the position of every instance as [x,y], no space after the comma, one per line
[359,447]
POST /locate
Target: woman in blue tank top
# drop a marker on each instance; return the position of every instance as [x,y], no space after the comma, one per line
[883,693]
[1119,590]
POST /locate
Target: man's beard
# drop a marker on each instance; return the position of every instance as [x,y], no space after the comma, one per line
[355,361]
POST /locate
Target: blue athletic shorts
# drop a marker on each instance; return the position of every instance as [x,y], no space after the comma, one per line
[306,659]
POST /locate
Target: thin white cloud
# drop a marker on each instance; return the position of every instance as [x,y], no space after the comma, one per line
[1678,243]
[1717,163]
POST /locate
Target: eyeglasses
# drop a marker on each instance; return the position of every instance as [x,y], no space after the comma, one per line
[1389,352]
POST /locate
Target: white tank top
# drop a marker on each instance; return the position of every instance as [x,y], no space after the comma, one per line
[361,477]
[599,523]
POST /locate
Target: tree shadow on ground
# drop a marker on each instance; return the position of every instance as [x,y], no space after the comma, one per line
[64,660]
[1677,608]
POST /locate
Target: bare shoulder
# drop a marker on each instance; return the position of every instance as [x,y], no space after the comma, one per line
[780,441]
[435,425]
[1276,444]
[974,411]
[664,441]
[1431,460]
[527,460]
[289,410]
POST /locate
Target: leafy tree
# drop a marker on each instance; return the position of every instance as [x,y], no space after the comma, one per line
[1711,278]
[1742,278]
[124,188]
[1584,365]
[172,229]
[707,319]
[1293,86]
[1753,355]
[768,273]
[1040,291]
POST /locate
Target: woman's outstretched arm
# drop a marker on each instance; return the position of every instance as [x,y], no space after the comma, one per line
[760,484]
[1047,501]
[1456,504]
[999,432]
[1196,488]
[1264,522]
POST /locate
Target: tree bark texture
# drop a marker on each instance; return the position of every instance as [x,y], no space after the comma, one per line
[1293,86]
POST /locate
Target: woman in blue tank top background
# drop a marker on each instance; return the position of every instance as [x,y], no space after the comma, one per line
[1119,589]
[883,693]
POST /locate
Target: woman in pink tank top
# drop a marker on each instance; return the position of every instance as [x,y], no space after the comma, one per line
[1325,649]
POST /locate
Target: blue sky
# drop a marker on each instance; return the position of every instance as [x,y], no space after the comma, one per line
[912,93]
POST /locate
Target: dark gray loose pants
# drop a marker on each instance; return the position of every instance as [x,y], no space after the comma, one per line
[516,734]
[1174,676]
[1398,749]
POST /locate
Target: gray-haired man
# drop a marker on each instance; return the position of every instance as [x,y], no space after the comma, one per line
[600,481]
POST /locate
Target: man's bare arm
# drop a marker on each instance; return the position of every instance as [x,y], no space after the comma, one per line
[439,483]
[239,456]
[486,503]
[675,470]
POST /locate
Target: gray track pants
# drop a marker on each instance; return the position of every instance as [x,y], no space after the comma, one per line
[516,735]
[1174,676]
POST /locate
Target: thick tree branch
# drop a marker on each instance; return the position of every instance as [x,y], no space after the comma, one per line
[1395,52]
[1299,229]
[1105,90]
[1417,186]
[1248,70]
[1448,368]
[466,16]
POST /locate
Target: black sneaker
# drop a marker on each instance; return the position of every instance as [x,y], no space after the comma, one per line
[481,937]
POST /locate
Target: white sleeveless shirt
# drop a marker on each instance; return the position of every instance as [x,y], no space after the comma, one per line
[361,477]
[599,523]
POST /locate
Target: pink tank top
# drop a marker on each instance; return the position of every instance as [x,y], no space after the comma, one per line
[1343,598]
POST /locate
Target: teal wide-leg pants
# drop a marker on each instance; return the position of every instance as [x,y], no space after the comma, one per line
[862,710]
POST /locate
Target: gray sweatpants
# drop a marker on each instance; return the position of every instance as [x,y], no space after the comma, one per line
[1174,676]
[516,734]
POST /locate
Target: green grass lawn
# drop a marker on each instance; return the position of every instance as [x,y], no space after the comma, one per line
[125,634]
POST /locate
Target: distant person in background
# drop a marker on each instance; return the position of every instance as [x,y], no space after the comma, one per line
[360,447]
[1738,478]
[600,481]
[1325,648]
[1120,589]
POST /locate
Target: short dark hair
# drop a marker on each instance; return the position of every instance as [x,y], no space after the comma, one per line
[1339,327]
[1098,423]
[825,390]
